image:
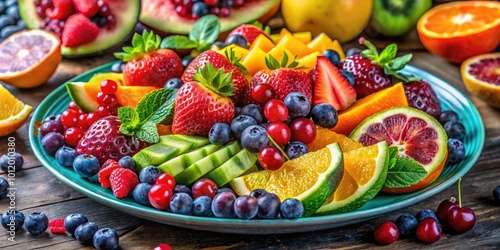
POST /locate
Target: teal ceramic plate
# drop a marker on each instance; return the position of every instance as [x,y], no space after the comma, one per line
[450,98]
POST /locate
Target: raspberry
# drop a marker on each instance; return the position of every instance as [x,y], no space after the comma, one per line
[105,172]
[56,226]
[123,182]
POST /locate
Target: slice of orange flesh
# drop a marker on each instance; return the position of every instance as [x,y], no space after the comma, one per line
[13,112]
[481,76]
[325,137]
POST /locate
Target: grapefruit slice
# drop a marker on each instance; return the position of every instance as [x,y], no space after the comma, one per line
[13,113]
[459,30]
[416,135]
[481,75]
[29,58]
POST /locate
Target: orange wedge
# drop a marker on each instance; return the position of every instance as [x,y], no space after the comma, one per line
[325,136]
[13,112]
[481,75]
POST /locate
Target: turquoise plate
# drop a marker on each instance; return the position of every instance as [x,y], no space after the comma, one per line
[450,98]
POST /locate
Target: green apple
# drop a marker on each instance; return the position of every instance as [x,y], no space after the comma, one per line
[395,18]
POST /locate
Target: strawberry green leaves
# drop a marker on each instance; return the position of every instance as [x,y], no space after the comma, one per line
[215,80]
[154,108]
[204,33]
[403,172]
[142,45]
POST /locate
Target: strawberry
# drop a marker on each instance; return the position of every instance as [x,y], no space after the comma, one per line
[230,63]
[78,30]
[87,7]
[123,182]
[147,64]
[105,171]
[283,77]
[250,31]
[104,140]
[330,86]
[56,226]
[421,96]
[62,9]
[201,103]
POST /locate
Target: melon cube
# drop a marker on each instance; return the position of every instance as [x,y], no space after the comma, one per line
[304,37]
[255,61]
[296,46]
[238,51]
[278,51]
[263,43]
[308,61]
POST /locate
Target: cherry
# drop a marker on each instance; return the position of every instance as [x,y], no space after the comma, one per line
[225,11]
[166,179]
[69,118]
[428,230]
[386,233]
[163,246]
[275,111]
[263,93]
[271,158]
[109,87]
[444,208]
[204,187]
[72,136]
[159,196]
[461,219]
[303,130]
[280,133]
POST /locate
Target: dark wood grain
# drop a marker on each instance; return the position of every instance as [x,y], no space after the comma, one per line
[38,190]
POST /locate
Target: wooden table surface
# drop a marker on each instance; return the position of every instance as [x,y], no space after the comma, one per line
[38,190]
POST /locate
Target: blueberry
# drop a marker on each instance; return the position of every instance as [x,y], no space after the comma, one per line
[13,220]
[9,30]
[496,195]
[173,83]
[200,9]
[407,225]
[254,138]
[4,187]
[51,126]
[140,193]
[456,150]
[219,134]
[246,207]
[6,20]
[149,174]
[333,56]
[2,7]
[291,208]
[240,123]
[21,24]
[36,223]
[181,203]
[219,44]
[352,51]
[187,60]
[237,111]
[454,129]
[10,2]
[65,156]
[252,110]
[202,206]
[51,142]
[84,233]
[295,149]
[223,205]
[298,104]
[56,118]
[13,11]
[12,160]
[237,40]
[348,76]
[224,189]
[117,67]
[106,238]
[422,214]
[180,188]
[128,162]
[325,115]
[72,221]
[86,165]
[269,206]
[258,193]
[448,115]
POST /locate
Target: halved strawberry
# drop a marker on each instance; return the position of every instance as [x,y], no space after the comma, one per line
[330,86]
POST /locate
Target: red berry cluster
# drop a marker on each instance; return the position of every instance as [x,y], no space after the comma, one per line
[122,181]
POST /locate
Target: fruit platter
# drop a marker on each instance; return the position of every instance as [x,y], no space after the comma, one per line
[200,116]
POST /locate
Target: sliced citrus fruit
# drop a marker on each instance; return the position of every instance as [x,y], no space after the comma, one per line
[311,178]
[459,30]
[365,170]
[481,75]
[325,136]
[131,95]
[369,105]
[29,58]
[416,135]
[13,112]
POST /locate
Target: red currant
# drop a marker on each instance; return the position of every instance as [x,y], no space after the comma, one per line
[444,208]
[428,230]
[263,93]
[110,100]
[303,130]
[386,233]
[212,2]
[109,87]
[103,111]
[72,105]
[72,136]
[279,132]
[271,158]
[275,111]
[166,179]
[204,186]
[100,98]
[93,117]
[69,118]
[225,11]
[159,196]
[163,246]
[82,121]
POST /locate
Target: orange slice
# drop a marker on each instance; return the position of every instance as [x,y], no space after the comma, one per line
[325,136]
[459,30]
[13,112]
[481,75]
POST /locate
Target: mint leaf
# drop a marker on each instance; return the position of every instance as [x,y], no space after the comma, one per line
[205,30]
[156,106]
[148,132]
[388,54]
[129,118]
[178,42]
[405,172]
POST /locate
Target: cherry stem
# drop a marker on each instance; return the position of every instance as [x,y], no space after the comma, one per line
[278,147]
[459,193]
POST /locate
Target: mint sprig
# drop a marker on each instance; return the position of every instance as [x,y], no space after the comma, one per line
[403,172]
[155,107]
[203,34]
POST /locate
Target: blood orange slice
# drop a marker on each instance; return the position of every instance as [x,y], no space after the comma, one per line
[481,75]
[416,135]
[29,58]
